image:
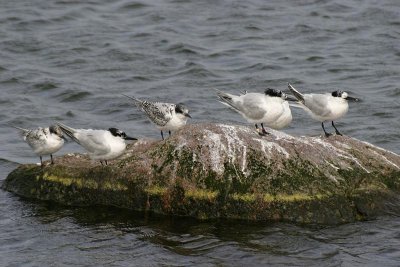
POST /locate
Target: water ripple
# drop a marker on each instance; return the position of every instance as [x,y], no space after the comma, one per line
[71,96]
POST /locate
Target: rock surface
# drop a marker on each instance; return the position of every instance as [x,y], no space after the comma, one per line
[225,171]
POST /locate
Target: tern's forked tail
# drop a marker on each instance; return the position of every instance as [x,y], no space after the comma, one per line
[225,99]
[23,130]
[68,131]
[296,93]
[138,102]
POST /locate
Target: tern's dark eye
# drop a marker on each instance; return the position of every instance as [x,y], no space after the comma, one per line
[337,93]
[120,133]
[178,109]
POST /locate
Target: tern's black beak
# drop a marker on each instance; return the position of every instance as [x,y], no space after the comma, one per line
[130,138]
[188,115]
[353,99]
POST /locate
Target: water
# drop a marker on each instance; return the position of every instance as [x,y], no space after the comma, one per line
[70,61]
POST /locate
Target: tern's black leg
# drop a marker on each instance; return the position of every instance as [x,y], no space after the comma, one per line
[337,132]
[101,162]
[323,128]
[51,157]
[106,162]
[263,129]
[162,135]
[41,161]
[169,133]
[258,131]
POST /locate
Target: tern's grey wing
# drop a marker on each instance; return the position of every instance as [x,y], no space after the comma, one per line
[317,103]
[159,113]
[93,141]
[252,105]
[37,137]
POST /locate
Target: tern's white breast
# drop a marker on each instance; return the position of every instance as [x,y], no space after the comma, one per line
[175,123]
[43,142]
[282,116]
[278,113]
[338,108]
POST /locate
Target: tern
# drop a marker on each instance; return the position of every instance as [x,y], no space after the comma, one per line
[270,108]
[102,145]
[43,141]
[324,107]
[166,116]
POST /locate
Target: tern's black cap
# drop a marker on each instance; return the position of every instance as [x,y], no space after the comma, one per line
[273,92]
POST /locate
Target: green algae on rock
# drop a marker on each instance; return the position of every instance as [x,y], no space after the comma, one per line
[225,171]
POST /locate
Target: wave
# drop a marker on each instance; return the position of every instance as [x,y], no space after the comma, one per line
[258,67]
[8,164]
[195,70]
[45,86]
[132,6]
[315,58]
[181,48]
[71,96]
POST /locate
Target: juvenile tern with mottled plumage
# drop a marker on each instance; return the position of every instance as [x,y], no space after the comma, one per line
[270,108]
[166,116]
[102,145]
[43,141]
[324,107]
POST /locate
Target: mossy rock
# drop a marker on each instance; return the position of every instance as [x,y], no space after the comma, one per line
[226,171]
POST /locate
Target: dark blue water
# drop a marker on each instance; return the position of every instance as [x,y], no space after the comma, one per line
[70,61]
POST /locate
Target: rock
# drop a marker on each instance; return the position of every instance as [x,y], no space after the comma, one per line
[225,171]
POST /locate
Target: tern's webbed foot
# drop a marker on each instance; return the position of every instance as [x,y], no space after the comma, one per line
[263,129]
[263,133]
[326,133]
